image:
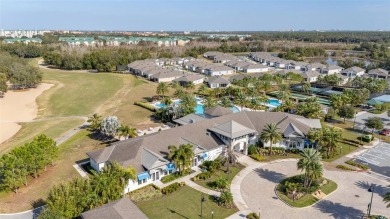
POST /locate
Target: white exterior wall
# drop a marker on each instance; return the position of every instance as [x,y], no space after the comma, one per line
[96,166]
[254,70]
[200,81]
[217,73]
[284,144]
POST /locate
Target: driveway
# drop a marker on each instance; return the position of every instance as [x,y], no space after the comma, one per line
[350,200]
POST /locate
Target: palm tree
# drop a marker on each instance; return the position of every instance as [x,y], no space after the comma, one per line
[284,92]
[225,102]
[175,85]
[209,102]
[95,120]
[190,86]
[179,92]
[330,139]
[202,89]
[162,88]
[182,157]
[126,131]
[226,198]
[188,104]
[315,135]
[288,105]
[271,134]
[306,88]
[167,101]
[229,158]
[337,101]
[240,100]
[310,163]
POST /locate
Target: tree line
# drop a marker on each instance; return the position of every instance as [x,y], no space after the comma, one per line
[28,160]
[69,200]
[18,72]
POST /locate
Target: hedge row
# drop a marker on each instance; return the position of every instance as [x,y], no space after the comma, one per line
[356,164]
[145,105]
[172,188]
[343,167]
[202,176]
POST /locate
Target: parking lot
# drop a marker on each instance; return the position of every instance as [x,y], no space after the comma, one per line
[362,117]
[378,158]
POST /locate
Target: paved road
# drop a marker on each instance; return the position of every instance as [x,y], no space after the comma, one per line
[348,201]
[31,213]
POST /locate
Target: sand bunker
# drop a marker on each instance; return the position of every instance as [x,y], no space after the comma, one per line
[18,106]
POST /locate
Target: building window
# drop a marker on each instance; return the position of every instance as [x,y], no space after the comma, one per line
[139,182]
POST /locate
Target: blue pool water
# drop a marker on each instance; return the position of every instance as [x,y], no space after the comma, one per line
[274,102]
[383,98]
[198,108]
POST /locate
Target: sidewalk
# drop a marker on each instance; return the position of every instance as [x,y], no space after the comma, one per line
[190,183]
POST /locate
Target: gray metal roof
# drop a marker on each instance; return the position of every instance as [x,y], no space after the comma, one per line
[232,129]
[119,209]
[188,119]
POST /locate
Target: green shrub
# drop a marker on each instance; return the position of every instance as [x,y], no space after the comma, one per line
[170,178]
[252,216]
[204,175]
[211,166]
[146,106]
[252,149]
[343,167]
[171,188]
[366,138]
[145,193]
[258,157]
[222,183]
[356,164]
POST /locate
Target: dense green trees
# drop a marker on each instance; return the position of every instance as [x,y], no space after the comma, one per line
[310,108]
[346,112]
[21,50]
[375,123]
[18,72]
[27,160]
[70,199]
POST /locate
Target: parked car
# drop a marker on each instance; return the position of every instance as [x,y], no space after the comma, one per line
[385,132]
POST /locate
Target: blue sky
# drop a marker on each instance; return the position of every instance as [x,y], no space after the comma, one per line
[190,15]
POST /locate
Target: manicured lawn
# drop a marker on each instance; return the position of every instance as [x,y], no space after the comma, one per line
[329,188]
[76,93]
[184,203]
[302,202]
[221,172]
[70,151]
[307,199]
[52,128]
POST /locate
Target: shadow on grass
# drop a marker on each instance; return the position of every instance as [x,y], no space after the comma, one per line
[378,189]
[270,175]
[175,212]
[103,138]
[37,203]
[337,210]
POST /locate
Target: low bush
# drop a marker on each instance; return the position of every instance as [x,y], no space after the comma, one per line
[222,183]
[252,149]
[343,167]
[366,138]
[146,106]
[258,157]
[171,188]
[356,164]
[145,193]
[202,176]
[170,178]
[252,216]
[211,165]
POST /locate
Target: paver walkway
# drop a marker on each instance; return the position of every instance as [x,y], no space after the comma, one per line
[190,183]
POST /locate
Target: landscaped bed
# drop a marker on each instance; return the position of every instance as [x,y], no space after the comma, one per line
[183,203]
[291,191]
[222,172]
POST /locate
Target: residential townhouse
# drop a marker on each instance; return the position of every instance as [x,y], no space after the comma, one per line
[218,70]
[254,68]
[218,81]
[353,72]
[190,78]
[310,76]
[332,69]
[23,40]
[378,73]
[209,137]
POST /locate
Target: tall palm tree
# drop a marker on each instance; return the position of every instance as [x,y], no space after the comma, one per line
[225,102]
[310,163]
[284,92]
[182,157]
[316,136]
[306,88]
[95,120]
[126,131]
[175,85]
[188,104]
[288,105]
[190,86]
[162,88]
[229,158]
[209,102]
[167,101]
[202,89]
[179,92]
[240,100]
[330,139]
[271,134]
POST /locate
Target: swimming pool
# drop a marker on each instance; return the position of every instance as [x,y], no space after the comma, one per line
[198,109]
[383,98]
[274,102]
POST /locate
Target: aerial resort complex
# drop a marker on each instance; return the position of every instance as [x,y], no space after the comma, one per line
[194,109]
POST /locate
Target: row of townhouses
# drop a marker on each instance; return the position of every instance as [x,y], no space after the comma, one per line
[210,135]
